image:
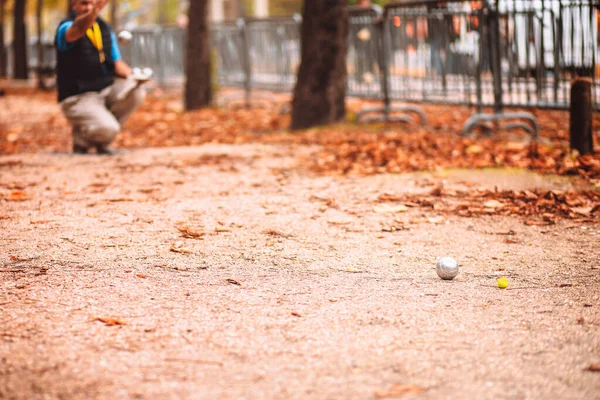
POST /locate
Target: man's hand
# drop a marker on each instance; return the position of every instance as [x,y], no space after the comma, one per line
[84,21]
[122,69]
[99,5]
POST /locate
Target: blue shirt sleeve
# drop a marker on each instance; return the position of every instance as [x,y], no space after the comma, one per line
[61,40]
[116,53]
[63,45]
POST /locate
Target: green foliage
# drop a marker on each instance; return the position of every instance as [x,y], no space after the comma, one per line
[284,7]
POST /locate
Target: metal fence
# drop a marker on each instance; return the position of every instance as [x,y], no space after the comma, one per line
[503,53]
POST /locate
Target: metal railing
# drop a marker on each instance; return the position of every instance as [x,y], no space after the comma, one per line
[504,53]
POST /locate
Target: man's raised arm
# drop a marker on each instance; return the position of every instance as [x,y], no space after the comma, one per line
[84,21]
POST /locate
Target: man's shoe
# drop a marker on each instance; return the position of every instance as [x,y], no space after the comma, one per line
[105,151]
[79,149]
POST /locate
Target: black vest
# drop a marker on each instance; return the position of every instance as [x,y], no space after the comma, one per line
[79,69]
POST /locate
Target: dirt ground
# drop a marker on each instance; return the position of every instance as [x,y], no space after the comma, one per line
[233,271]
[293,288]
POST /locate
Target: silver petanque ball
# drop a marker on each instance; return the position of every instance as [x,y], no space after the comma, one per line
[447,268]
[124,37]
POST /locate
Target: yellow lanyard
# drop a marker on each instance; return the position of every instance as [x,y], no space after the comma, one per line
[95,36]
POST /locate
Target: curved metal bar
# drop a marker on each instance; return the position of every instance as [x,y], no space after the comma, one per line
[478,119]
[386,111]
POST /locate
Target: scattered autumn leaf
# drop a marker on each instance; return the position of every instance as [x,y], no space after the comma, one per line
[386,208]
[495,204]
[18,195]
[594,368]
[178,248]
[399,391]
[110,321]
[233,281]
[189,231]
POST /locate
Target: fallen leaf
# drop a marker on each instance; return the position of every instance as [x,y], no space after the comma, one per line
[353,270]
[233,281]
[142,276]
[495,204]
[18,195]
[176,248]
[388,197]
[398,391]
[190,232]
[219,229]
[295,314]
[174,268]
[110,321]
[594,368]
[538,223]
[582,210]
[386,208]
[474,149]
[274,232]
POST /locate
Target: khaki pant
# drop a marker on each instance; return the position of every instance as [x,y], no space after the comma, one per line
[97,117]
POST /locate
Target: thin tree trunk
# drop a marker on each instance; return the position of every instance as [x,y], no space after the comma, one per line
[320,92]
[40,45]
[198,88]
[2,44]
[20,68]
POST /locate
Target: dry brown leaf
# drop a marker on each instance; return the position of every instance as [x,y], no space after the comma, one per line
[17,195]
[399,391]
[474,149]
[219,229]
[142,276]
[177,248]
[189,231]
[233,281]
[110,321]
[386,208]
[388,197]
[295,314]
[582,210]
[494,204]
[276,233]
[594,368]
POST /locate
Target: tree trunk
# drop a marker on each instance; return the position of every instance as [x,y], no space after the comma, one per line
[581,126]
[20,41]
[320,93]
[198,88]
[40,45]
[2,44]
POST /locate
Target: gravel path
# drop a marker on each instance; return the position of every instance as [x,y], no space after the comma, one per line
[292,288]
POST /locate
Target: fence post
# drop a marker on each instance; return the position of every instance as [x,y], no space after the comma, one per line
[581,122]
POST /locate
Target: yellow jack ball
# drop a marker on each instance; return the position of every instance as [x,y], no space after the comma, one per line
[502,283]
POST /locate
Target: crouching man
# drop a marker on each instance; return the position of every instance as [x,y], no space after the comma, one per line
[96,89]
